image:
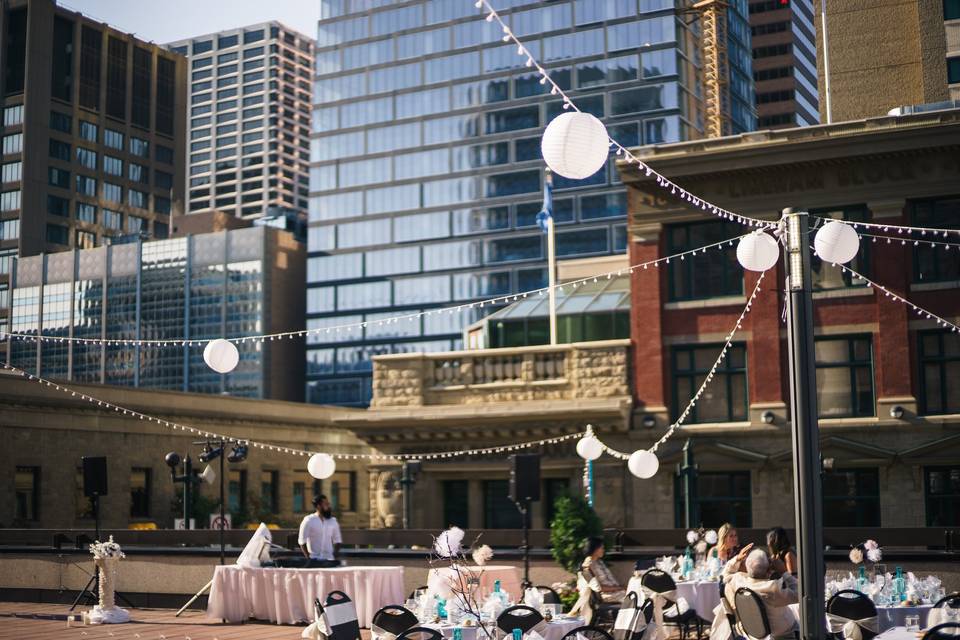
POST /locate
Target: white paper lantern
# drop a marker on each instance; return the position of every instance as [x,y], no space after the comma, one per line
[321,465]
[589,448]
[757,251]
[575,145]
[836,242]
[221,355]
[643,464]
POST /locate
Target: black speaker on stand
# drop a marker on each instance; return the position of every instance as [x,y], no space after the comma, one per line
[524,489]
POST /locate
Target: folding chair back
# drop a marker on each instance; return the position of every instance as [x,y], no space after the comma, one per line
[751,613]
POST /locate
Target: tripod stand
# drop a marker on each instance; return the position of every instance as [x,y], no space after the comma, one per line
[524,507]
[94,581]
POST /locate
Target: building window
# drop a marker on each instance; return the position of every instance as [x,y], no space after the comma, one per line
[86,213]
[27,493]
[12,143]
[57,234]
[113,166]
[139,173]
[135,224]
[456,503]
[140,492]
[299,497]
[166,92]
[163,154]
[939,371]
[13,171]
[10,200]
[851,498]
[83,505]
[61,122]
[827,276]
[9,230]
[141,87]
[58,206]
[86,186]
[13,116]
[721,496]
[88,131]
[237,491]
[341,491]
[498,510]
[16,50]
[942,492]
[112,219]
[61,68]
[951,9]
[268,491]
[91,50]
[112,192]
[116,78]
[844,377]
[715,273]
[725,399]
[935,264]
[59,150]
[953,70]
[87,158]
[554,489]
[139,147]
[113,139]
[86,240]
[58,177]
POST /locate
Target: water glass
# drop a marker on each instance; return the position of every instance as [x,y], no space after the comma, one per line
[913,623]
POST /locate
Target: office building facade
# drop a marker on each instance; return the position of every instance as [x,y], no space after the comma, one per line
[92,133]
[784,35]
[249,111]
[235,283]
[426,173]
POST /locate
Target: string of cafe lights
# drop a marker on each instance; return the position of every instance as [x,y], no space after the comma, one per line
[916,242]
[899,228]
[696,397]
[409,317]
[211,435]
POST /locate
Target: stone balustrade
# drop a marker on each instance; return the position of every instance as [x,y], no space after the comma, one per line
[560,372]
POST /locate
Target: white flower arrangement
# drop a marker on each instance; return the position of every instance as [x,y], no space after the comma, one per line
[868,550]
[109,549]
[711,537]
[856,555]
[482,555]
[449,543]
[692,537]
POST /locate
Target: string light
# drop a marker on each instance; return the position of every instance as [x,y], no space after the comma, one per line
[504,299]
[899,228]
[917,242]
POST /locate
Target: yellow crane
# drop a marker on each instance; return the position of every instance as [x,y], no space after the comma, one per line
[715,72]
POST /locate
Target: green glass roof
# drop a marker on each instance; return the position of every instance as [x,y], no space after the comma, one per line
[601,296]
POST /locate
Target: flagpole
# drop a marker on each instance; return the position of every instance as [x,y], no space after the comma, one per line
[552,266]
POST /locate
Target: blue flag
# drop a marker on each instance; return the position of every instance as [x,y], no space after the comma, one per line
[547,211]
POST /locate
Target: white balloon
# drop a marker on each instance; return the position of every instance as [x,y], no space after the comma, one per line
[589,448]
[643,464]
[836,242]
[221,355]
[575,145]
[321,465]
[757,251]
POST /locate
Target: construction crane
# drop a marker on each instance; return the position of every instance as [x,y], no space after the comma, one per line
[715,72]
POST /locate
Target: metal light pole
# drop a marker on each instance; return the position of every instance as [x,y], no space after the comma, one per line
[688,478]
[804,426]
[408,477]
[826,59]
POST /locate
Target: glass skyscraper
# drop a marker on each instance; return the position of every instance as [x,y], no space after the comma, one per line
[426,173]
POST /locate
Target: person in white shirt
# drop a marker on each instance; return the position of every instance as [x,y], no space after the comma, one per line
[751,569]
[320,533]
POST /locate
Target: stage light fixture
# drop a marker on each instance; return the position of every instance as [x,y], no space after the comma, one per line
[239,453]
[210,453]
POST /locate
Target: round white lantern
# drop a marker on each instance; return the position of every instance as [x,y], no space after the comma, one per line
[575,145]
[643,464]
[836,242]
[321,465]
[757,251]
[221,355]
[589,448]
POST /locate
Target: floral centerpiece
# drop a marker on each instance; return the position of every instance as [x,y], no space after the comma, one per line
[698,543]
[106,557]
[456,587]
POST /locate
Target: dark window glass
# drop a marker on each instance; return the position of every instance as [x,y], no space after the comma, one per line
[942,492]
[554,489]
[456,503]
[166,89]
[851,498]
[61,122]
[953,70]
[26,487]
[140,492]
[827,276]
[61,72]
[528,149]
[510,249]
[951,9]
[719,497]
[237,492]
[513,119]
[714,273]
[727,397]
[498,511]
[202,46]
[508,184]
[59,150]
[583,241]
[57,234]
[527,212]
[299,497]
[227,41]
[16,54]
[252,36]
[844,377]
[141,85]
[936,264]
[939,357]
[59,206]
[162,179]
[268,491]
[163,154]
[608,205]
[116,78]
[91,50]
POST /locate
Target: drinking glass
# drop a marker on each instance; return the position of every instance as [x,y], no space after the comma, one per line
[913,623]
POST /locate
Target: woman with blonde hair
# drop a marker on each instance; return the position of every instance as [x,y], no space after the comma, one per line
[727,544]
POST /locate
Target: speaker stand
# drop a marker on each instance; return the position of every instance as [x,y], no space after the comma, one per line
[524,507]
[94,580]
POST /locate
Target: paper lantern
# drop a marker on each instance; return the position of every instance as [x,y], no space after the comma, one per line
[575,145]
[643,464]
[221,355]
[589,448]
[321,465]
[757,251]
[836,242]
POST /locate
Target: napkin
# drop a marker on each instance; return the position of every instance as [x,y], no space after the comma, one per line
[533,598]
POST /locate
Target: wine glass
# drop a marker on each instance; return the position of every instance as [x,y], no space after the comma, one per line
[880,575]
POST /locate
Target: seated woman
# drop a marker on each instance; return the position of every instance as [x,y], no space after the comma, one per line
[727,544]
[782,558]
[594,567]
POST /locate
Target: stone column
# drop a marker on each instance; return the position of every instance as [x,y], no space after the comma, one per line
[765,351]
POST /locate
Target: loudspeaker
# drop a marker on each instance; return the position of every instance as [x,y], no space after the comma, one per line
[525,477]
[94,476]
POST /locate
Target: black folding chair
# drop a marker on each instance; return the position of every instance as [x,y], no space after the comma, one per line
[339,607]
[852,605]
[951,600]
[751,613]
[587,633]
[549,595]
[420,633]
[728,611]
[661,582]
[627,625]
[945,631]
[519,616]
[394,619]
[413,594]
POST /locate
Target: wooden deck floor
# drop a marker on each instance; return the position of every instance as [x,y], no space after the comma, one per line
[19,621]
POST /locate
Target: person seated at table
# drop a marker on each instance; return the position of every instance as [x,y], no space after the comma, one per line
[751,569]
[782,558]
[593,566]
[727,544]
[319,537]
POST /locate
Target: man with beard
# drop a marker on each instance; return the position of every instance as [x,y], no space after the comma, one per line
[320,535]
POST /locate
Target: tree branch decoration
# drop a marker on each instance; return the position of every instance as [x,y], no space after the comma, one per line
[452,579]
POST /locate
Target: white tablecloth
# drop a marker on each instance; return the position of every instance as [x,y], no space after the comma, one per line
[508,576]
[890,617]
[553,630]
[287,596]
[701,595]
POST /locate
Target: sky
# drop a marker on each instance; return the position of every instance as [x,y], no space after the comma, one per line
[165,21]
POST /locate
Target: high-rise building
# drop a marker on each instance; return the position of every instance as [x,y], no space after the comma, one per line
[242,282]
[249,127]
[951,18]
[426,172]
[784,36]
[93,132]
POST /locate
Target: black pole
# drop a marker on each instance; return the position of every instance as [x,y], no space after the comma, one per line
[805,427]
[688,475]
[525,513]
[188,480]
[223,521]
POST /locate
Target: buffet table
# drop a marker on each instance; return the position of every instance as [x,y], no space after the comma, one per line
[286,596]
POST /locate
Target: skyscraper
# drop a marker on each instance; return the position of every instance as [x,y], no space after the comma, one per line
[425,157]
[249,120]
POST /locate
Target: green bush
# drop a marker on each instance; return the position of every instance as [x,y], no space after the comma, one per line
[574,521]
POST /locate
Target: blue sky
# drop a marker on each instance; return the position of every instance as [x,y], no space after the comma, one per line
[168,20]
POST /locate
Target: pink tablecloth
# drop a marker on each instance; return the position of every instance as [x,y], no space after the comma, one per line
[286,595]
[508,576]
